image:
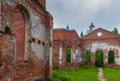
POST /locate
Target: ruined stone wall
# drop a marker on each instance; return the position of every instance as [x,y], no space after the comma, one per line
[0,13]
[61,40]
[29,29]
[106,42]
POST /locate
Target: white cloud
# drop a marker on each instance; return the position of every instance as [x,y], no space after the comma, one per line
[78,14]
[55,25]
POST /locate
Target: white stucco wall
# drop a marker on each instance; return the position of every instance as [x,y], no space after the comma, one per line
[60,55]
[51,49]
[38,31]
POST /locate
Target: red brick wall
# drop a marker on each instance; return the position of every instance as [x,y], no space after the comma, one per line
[19,30]
[43,3]
[107,38]
[63,38]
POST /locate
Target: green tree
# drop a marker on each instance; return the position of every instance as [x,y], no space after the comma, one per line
[115,31]
[91,28]
[81,34]
[67,27]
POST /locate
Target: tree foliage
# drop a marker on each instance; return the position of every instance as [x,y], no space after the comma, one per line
[111,57]
[81,34]
[91,28]
[68,54]
[115,31]
[99,59]
[67,27]
[88,57]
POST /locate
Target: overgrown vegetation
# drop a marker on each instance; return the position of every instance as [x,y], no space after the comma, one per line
[88,57]
[84,73]
[115,31]
[68,54]
[111,57]
[99,59]
[56,67]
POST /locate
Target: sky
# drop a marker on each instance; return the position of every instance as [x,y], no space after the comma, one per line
[78,14]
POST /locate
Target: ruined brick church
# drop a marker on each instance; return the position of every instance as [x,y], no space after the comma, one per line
[25,40]
[100,40]
[64,39]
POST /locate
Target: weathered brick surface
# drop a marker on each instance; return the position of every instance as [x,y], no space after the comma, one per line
[19,31]
[108,41]
[99,39]
[63,38]
[25,51]
[43,3]
[30,71]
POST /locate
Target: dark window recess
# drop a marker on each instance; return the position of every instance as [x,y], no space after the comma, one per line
[1,64]
[50,43]
[39,42]
[8,31]
[33,39]
[43,43]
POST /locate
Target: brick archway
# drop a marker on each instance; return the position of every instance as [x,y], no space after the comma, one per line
[21,31]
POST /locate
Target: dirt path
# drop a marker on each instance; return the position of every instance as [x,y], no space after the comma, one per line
[100,74]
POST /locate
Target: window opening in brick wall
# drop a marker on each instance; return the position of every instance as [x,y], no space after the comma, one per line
[111,57]
[68,54]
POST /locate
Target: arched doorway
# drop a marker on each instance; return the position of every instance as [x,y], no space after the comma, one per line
[68,54]
[21,31]
[111,57]
[99,58]
[88,57]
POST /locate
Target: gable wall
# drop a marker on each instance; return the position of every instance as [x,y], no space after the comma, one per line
[108,41]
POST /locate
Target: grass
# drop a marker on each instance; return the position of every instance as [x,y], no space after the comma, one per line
[112,74]
[85,73]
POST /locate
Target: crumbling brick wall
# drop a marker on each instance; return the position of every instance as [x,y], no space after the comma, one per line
[63,38]
[28,40]
[106,42]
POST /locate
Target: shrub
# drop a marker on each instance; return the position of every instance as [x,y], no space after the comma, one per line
[56,67]
[57,77]
[111,57]
[68,54]
[88,57]
[99,59]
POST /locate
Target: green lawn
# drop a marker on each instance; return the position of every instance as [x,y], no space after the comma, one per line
[83,74]
[112,74]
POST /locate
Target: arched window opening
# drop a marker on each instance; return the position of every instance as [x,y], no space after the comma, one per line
[88,57]
[111,57]
[68,54]
[99,59]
